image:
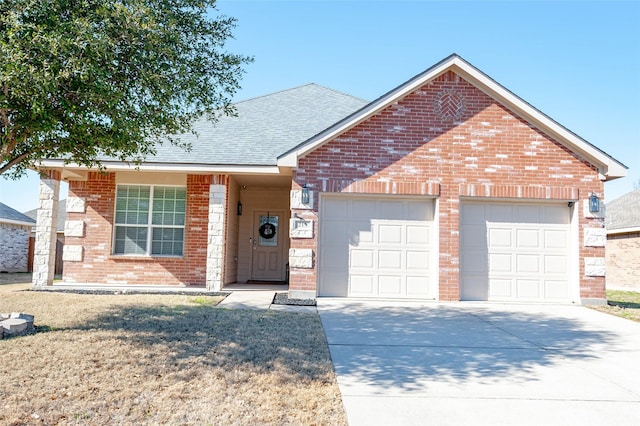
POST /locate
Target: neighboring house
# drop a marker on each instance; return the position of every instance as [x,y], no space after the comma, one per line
[448,187]
[623,242]
[15,229]
[62,216]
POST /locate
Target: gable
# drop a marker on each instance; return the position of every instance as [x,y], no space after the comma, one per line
[446,129]
[447,105]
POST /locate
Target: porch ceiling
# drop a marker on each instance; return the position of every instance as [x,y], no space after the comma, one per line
[263,181]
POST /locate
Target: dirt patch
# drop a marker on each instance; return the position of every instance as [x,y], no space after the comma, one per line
[163,359]
[283,299]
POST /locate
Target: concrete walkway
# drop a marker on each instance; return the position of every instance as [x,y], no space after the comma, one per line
[259,296]
[482,364]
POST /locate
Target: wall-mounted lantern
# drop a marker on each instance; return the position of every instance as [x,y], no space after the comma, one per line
[594,203]
[305,195]
[239,211]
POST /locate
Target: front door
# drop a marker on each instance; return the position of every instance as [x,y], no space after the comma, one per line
[267,263]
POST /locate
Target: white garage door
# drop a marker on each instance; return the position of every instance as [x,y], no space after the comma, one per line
[376,247]
[515,252]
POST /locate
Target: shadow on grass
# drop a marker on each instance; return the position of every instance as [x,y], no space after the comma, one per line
[262,340]
[406,347]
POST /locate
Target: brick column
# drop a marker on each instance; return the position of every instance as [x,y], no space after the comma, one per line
[215,236]
[44,257]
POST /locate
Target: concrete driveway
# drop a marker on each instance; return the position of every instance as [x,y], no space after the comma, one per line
[482,364]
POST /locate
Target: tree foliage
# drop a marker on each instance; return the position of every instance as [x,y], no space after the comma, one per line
[85,79]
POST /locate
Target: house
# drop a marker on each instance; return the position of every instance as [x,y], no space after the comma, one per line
[448,187]
[62,216]
[623,242]
[15,229]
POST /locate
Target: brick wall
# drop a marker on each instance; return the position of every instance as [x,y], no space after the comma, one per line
[100,266]
[623,261]
[14,240]
[471,146]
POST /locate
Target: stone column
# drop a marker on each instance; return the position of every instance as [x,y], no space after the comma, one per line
[44,257]
[215,236]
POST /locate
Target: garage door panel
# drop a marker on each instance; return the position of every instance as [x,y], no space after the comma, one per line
[555,289]
[528,263]
[388,245]
[474,263]
[335,208]
[528,238]
[500,288]
[528,289]
[501,238]
[500,263]
[335,233]
[391,210]
[556,264]
[556,214]
[527,251]
[418,286]
[390,259]
[500,212]
[473,214]
[390,285]
[474,236]
[419,211]
[390,234]
[362,258]
[360,232]
[556,239]
[361,285]
[334,283]
[361,209]
[417,235]
[416,260]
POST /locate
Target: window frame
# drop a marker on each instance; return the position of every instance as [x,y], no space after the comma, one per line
[149,225]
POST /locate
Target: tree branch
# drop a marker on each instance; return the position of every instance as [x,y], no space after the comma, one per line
[5,167]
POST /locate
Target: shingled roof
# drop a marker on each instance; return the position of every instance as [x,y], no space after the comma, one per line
[10,215]
[264,128]
[623,213]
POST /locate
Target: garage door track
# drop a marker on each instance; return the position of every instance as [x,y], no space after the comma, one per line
[416,363]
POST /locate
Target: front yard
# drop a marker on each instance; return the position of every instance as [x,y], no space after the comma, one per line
[162,359]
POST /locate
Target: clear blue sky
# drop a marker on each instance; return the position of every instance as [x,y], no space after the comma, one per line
[577,61]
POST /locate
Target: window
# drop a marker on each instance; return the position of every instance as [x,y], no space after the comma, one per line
[149,220]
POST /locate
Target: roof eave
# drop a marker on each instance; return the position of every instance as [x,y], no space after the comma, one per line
[115,166]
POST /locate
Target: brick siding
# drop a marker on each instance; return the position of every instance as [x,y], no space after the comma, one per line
[484,151]
[623,261]
[101,267]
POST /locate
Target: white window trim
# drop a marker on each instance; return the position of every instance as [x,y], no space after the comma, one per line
[149,225]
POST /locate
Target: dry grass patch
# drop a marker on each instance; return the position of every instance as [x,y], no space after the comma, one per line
[625,304]
[163,359]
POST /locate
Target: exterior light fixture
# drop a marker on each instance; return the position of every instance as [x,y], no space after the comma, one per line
[305,195]
[594,203]
[239,211]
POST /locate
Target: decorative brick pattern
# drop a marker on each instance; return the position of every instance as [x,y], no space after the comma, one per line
[410,148]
